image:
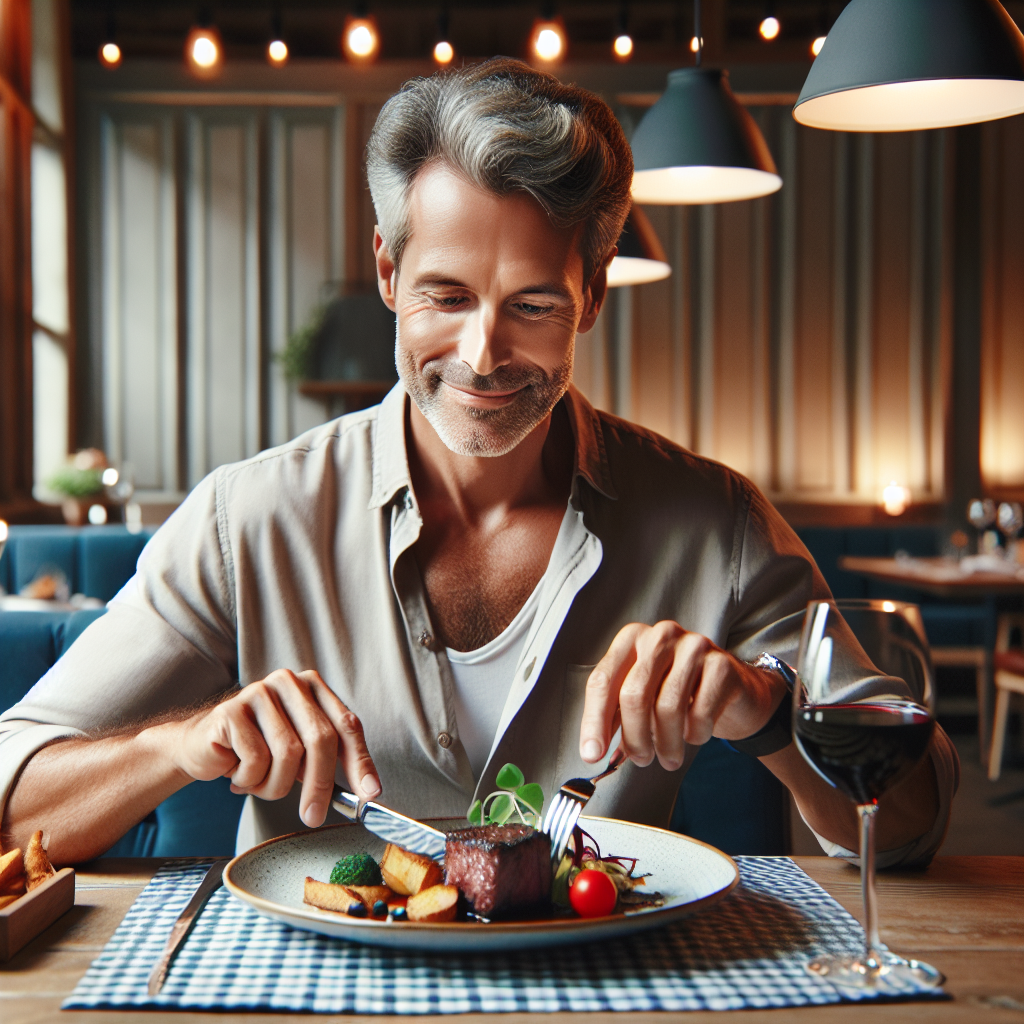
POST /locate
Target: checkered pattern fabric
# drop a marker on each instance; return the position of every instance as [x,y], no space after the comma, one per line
[747,951]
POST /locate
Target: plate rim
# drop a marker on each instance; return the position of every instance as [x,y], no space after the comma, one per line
[661,915]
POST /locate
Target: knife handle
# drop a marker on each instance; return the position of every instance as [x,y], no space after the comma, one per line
[348,804]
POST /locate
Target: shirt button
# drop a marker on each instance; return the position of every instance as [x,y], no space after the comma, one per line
[444,739]
[408,500]
[425,639]
[529,669]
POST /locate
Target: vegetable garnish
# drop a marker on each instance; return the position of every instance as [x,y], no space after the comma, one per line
[515,796]
[593,893]
[356,869]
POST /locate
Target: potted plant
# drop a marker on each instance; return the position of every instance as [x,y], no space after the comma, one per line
[79,482]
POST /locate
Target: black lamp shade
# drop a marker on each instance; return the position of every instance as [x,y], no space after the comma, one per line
[897,65]
[641,258]
[698,145]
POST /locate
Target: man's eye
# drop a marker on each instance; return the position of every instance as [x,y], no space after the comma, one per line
[448,301]
[531,310]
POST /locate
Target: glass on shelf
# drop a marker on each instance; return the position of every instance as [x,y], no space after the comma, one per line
[119,484]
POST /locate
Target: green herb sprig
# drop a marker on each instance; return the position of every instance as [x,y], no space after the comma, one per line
[515,799]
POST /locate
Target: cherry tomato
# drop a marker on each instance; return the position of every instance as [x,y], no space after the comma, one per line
[593,894]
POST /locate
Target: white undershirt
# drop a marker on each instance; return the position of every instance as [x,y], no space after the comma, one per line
[483,679]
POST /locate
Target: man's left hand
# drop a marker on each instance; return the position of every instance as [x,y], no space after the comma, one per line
[667,688]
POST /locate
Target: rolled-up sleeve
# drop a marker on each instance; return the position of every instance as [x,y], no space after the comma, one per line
[167,641]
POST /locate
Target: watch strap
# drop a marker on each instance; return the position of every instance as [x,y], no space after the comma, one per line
[777,733]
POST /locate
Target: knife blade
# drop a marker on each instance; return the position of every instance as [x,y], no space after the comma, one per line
[212,881]
[390,825]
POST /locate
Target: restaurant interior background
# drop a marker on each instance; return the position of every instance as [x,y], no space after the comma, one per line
[163,235]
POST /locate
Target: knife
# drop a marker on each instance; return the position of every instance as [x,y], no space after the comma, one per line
[211,882]
[390,825]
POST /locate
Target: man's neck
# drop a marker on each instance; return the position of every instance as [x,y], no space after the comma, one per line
[537,471]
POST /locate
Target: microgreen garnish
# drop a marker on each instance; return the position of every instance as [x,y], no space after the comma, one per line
[514,799]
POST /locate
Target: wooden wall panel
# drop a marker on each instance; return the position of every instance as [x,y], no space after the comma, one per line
[1002,355]
[139,288]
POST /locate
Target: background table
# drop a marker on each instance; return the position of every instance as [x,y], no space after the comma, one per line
[937,576]
[963,915]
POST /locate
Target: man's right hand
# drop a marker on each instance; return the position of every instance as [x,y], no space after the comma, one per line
[286,727]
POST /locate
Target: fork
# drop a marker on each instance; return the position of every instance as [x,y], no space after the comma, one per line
[568,804]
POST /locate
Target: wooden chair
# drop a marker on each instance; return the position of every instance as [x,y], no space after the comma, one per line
[1009,679]
[978,659]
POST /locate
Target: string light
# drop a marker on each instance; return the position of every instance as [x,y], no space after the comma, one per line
[277,48]
[360,40]
[817,45]
[548,40]
[110,54]
[769,28]
[203,50]
[622,47]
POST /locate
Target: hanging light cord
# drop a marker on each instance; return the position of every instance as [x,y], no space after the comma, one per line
[696,29]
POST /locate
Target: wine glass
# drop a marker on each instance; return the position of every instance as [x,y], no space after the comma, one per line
[120,484]
[1010,519]
[981,514]
[863,730]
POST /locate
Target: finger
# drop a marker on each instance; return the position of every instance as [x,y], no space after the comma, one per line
[286,750]
[248,744]
[353,754]
[655,655]
[601,702]
[668,720]
[320,743]
[713,694]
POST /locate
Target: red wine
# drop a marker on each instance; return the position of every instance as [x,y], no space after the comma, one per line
[863,748]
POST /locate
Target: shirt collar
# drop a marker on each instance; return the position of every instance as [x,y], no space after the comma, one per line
[391,461]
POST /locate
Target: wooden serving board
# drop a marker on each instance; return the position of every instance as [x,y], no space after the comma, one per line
[22,920]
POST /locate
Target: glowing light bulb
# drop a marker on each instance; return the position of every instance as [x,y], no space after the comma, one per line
[895,499]
[623,46]
[548,41]
[444,52]
[277,52]
[817,45]
[769,28]
[361,41]
[696,44]
[203,50]
[888,606]
[110,55]
[110,477]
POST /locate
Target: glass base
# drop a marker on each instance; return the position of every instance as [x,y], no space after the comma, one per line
[886,973]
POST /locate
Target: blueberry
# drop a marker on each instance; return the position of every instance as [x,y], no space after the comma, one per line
[399,914]
[356,910]
[380,909]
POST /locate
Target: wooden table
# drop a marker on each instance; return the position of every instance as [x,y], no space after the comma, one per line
[964,915]
[937,576]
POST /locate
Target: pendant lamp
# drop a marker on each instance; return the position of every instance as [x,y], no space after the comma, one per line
[640,258]
[698,145]
[897,65]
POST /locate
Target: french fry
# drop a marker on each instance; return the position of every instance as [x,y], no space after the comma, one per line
[6,901]
[409,873]
[37,865]
[436,904]
[15,886]
[11,866]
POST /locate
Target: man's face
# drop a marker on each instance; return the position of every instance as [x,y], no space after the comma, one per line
[489,300]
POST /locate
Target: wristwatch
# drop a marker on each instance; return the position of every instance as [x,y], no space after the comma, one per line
[777,732]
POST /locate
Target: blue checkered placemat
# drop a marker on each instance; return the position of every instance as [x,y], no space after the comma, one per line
[747,951]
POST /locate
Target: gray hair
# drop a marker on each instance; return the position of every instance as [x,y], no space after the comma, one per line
[507,128]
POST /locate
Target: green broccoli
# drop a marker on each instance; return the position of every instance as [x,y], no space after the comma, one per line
[356,869]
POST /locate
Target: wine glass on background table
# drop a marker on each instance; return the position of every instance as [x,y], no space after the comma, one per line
[981,514]
[863,724]
[1010,520]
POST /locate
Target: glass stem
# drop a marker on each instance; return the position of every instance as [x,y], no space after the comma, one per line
[867,814]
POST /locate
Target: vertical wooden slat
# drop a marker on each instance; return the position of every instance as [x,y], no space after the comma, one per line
[863,219]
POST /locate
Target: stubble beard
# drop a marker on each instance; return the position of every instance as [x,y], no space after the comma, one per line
[482,432]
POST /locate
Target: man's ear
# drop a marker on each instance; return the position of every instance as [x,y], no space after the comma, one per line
[386,274]
[594,295]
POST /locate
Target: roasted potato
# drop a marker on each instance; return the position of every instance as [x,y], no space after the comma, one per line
[409,873]
[436,904]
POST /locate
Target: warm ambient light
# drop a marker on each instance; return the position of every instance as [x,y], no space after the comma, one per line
[360,40]
[769,28]
[888,606]
[623,46]
[695,44]
[110,477]
[110,55]
[3,531]
[895,499]
[203,50]
[444,52]
[277,52]
[548,40]
[817,45]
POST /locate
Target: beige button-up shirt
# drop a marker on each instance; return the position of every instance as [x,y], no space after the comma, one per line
[301,558]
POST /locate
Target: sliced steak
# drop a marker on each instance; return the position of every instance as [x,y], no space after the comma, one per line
[500,869]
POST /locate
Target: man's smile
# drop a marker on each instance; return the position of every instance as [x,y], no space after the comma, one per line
[482,399]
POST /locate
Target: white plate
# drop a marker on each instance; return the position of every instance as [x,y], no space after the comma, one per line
[270,877]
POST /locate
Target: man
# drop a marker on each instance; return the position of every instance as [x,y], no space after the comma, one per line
[482,569]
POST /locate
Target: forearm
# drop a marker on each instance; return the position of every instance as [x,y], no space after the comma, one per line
[906,811]
[86,793]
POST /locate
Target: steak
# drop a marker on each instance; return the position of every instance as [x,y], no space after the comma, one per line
[500,869]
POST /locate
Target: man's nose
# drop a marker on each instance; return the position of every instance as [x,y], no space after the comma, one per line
[480,345]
